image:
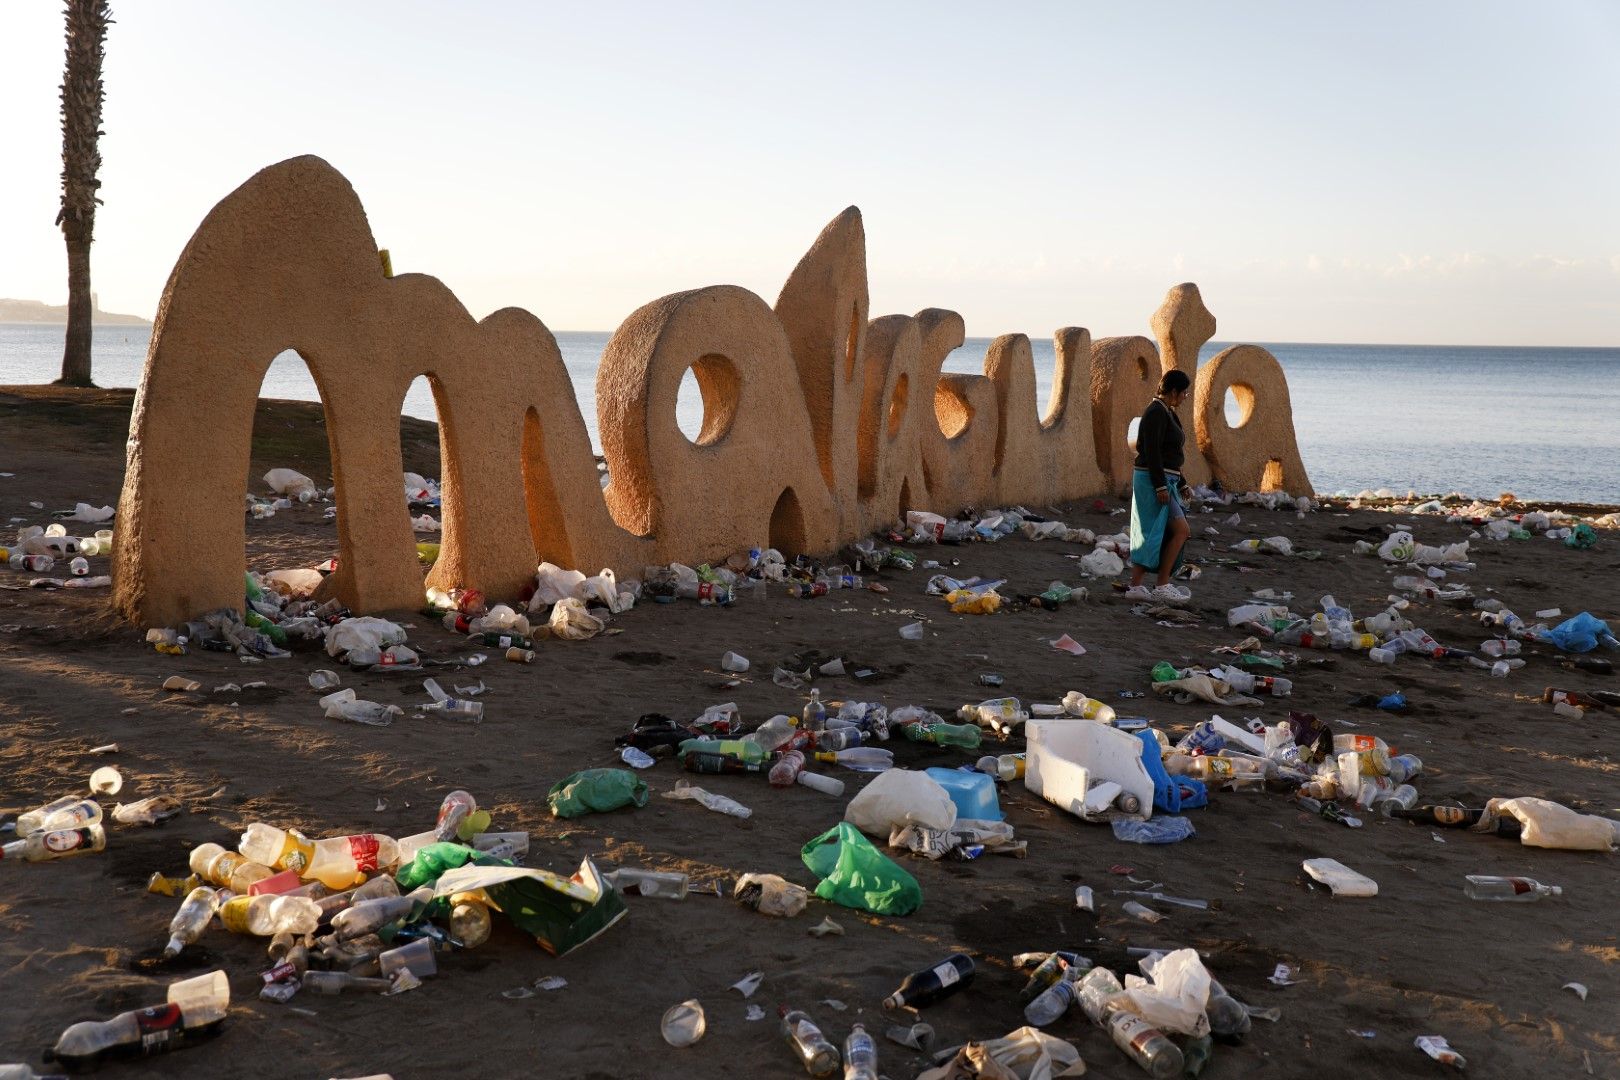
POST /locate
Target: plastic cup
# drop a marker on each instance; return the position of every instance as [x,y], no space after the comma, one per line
[106,780]
[734,662]
[912,631]
[684,1024]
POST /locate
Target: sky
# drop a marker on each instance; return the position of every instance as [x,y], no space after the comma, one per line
[1435,173]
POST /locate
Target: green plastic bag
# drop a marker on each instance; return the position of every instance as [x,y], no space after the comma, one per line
[858,875]
[592,791]
[429,862]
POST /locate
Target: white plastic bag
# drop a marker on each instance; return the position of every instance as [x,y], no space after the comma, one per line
[553,583]
[570,620]
[1398,548]
[901,797]
[288,482]
[1025,1054]
[604,587]
[1175,997]
[363,632]
[1552,825]
[1102,563]
[296,584]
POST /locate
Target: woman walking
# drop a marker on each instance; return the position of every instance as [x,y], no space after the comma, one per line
[1158,518]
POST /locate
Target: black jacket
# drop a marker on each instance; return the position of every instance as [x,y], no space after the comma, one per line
[1160,441]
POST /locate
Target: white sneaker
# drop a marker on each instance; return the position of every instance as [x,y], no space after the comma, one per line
[1172,594]
[1138,592]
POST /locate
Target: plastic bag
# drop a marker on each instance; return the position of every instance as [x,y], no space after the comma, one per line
[1581,537]
[1174,999]
[1578,634]
[1398,548]
[770,894]
[595,791]
[363,632]
[1101,563]
[570,620]
[1552,825]
[858,875]
[1156,830]
[720,804]
[295,584]
[1025,1054]
[604,587]
[901,797]
[553,583]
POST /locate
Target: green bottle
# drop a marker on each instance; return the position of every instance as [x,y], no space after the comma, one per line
[1164,671]
[742,749]
[966,736]
[265,627]
[254,592]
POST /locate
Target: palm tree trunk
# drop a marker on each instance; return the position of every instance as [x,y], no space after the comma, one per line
[87,22]
[76,352]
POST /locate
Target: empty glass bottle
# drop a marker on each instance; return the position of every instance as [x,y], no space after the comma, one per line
[860,1055]
[818,1056]
[1516,889]
[1144,1044]
[59,844]
[933,984]
[188,924]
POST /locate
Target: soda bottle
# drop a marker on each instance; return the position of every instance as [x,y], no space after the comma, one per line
[815,713]
[705,592]
[965,736]
[227,869]
[773,733]
[68,812]
[1087,708]
[1403,767]
[859,758]
[787,768]
[191,920]
[195,1010]
[933,984]
[455,809]
[37,564]
[860,1055]
[370,916]
[341,861]
[1145,1044]
[1516,889]
[265,916]
[60,844]
[840,739]
[279,849]
[1500,647]
[818,1056]
[1051,1003]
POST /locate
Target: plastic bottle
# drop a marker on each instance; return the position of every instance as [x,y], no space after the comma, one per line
[1094,990]
[859,758]
[279,849]
[60,844]
[773,733]
[1051,970]
[456,808]
[265,916]
[705,592]
[1087,708]
[455,708]
[1145,1044]
[1227,1016]
[1517,889]
[227,869]
[1051,1003]
[370,916]
[965,736]
[860,1055]
[818,1056]
[1403,797]
[1403,767]
[827,785]
[335,982]
[37,564]
[787,768]
[342,861]
[188,924]
[666,885]
[68,812]
[815,713]
[470,924]
[195,1010]
[839,739]
[933,984]
[1499,647]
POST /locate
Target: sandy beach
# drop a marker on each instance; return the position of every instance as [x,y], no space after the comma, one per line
[82,936]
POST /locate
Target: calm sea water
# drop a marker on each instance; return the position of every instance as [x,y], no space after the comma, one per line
[1538,422]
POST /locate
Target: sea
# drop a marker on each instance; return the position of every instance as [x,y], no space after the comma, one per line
[1539,422]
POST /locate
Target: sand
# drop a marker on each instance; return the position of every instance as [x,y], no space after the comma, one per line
[82,936]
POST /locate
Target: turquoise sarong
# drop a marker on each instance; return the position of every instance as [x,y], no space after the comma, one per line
[1150,518]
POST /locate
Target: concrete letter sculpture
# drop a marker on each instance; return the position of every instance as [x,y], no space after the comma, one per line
[820,424]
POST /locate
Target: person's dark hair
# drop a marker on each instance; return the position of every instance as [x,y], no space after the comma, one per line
[1174,381]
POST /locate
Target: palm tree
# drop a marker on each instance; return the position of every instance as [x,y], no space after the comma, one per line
[87,22]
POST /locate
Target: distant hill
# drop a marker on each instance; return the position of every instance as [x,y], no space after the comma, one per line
[32,311]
